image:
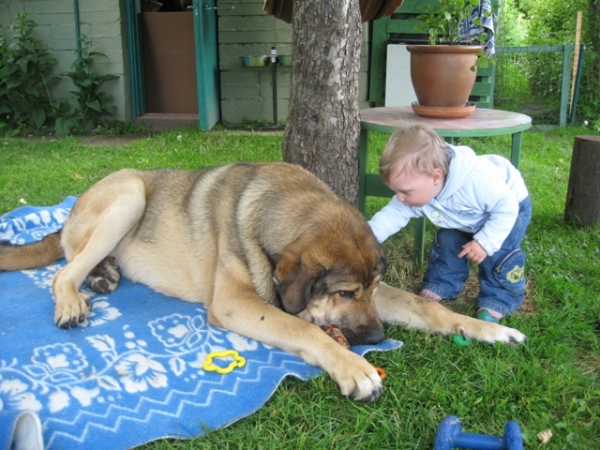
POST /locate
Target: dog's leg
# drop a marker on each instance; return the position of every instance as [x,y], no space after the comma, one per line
[400,307]
[237,307]
[106,223]
[104,278]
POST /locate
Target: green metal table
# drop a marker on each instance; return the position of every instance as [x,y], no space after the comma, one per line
[483,122]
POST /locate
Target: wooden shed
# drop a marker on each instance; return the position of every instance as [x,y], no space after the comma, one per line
[184,58]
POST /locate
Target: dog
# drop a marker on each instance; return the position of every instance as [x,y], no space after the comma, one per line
[270,250]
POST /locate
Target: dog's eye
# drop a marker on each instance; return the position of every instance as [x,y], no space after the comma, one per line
[346,294]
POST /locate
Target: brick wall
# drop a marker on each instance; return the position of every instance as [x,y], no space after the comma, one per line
[102,21]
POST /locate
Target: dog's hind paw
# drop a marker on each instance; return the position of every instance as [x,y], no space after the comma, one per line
[514,336]
[104,278]
[507,335]
[493,332]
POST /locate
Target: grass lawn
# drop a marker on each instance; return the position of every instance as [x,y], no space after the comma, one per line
[551,381]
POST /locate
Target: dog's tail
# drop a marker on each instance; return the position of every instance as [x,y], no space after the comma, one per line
[30,256]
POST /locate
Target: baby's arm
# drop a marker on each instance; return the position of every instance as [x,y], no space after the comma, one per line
[390,219]
[473,251]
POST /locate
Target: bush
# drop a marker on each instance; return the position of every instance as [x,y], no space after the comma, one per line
[25,67]
[25,100]
[88,104]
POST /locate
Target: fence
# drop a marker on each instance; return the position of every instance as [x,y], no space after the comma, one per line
[537,81]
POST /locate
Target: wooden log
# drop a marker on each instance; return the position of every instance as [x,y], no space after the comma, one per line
[583,192]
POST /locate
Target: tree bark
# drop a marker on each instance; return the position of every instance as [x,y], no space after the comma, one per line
[583,192]
[322,132]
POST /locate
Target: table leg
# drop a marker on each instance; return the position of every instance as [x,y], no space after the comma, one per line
[419,242]
[362,170]
[515,153]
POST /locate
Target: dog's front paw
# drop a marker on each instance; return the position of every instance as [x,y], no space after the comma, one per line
[355,377]
[70,313]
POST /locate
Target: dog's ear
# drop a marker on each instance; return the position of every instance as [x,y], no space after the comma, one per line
[380,266]
[293,282]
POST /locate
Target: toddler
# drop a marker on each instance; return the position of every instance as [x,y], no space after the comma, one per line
[481,206]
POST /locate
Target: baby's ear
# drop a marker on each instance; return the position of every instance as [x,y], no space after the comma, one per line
[438,175]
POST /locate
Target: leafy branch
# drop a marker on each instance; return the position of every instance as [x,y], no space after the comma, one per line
[88,103]
[443,22]
[25,77]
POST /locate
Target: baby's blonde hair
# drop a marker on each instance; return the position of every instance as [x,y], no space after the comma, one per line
[418,148]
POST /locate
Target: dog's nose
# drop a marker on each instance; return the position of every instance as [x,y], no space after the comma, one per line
[365,335]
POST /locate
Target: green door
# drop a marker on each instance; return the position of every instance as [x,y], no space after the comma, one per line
[207,64]
[207,74]
[136,72]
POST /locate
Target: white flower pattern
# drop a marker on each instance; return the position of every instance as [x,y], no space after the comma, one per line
[60,373]
[14,395]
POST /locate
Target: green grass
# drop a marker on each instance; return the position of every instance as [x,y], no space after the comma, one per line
[551,381]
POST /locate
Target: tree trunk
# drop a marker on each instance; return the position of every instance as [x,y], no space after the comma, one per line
[583,192]
[322,133]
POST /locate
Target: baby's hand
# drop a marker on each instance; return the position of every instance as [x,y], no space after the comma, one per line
[473,251]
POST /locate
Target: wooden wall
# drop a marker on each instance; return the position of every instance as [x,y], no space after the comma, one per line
[245,30]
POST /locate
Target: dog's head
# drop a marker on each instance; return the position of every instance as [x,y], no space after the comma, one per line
[329,277]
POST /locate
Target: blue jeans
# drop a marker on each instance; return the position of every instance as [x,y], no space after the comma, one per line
[501,276]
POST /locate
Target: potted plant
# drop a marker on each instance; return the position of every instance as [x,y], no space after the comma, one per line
[443,73]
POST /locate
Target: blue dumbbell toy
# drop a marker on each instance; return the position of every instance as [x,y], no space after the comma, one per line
[449,435]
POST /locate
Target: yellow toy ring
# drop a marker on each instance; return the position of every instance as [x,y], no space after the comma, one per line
[238,361]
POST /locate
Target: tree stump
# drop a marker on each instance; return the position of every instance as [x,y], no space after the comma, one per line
[583,193]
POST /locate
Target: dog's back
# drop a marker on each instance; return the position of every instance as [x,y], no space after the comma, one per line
[186,215]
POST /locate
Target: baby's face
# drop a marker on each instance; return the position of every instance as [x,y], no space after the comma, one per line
[417,188]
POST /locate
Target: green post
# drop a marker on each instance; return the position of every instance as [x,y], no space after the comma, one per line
[207,64]
[564,89]
[77,29]
[362,170]
[136,72]
[515,153]
[573,110]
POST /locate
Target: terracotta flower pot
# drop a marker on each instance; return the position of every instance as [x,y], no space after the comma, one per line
[443,75]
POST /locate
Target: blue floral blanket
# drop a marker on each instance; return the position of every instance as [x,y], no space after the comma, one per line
[133,372]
